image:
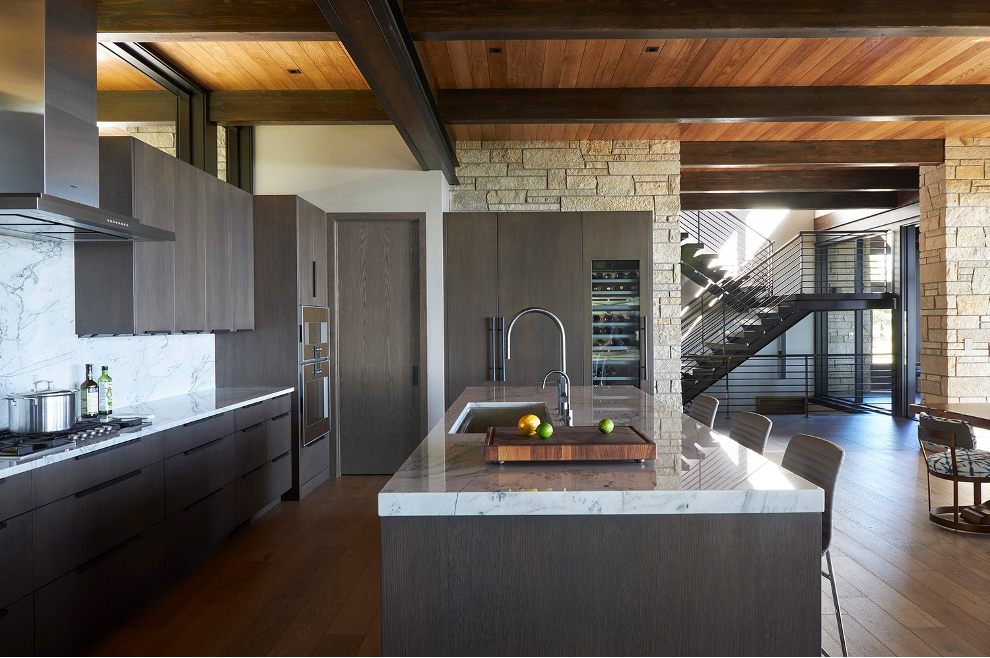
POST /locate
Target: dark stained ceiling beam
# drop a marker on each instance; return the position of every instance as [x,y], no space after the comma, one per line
[254,108]
[211,20]
[869,179]
[790,200]
[691,19]
[838,153]
[376,38]
[716,104]
[136,107]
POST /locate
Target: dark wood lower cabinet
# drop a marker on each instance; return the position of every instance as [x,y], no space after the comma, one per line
[17,627]
[198,527]
[602,585]
[71,610]
[250,494]
[314,460]
[16,577]
[112,526]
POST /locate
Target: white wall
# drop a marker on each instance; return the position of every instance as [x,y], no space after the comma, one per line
[363,169]
[38,340]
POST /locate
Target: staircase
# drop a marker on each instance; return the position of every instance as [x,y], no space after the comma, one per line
[737,314]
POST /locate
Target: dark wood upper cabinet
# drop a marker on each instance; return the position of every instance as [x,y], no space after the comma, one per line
[242,259]
[311,240]
[190,249]
[204,281]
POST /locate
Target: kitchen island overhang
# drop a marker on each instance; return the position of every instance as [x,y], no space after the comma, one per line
[715,551]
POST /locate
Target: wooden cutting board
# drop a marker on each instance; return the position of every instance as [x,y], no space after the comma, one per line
[506,444]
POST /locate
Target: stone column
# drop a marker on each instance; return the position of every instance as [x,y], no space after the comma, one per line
[955,274]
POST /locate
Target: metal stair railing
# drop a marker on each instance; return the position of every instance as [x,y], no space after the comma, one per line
[714,229]
[813,262]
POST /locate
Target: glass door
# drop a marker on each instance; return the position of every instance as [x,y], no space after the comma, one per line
[616,325]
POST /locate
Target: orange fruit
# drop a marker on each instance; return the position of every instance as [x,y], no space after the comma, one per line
[527,424]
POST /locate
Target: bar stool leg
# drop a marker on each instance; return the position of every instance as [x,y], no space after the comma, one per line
[835,600]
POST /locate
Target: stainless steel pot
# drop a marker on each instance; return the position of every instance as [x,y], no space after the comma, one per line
[42,410]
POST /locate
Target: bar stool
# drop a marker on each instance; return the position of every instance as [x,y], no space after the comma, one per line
[950,454]
[818,461]
[703,410]
[751,431]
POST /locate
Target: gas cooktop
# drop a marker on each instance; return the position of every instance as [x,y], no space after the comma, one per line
[15,447]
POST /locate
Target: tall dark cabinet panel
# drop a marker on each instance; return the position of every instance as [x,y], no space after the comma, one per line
[284,230]
[471,300]
[539,264]
[201,282]
[311,239]
[496,264]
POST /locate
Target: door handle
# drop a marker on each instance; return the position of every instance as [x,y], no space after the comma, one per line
[415,375]
[644,346]
[491,349]
[500,325]
[314,278]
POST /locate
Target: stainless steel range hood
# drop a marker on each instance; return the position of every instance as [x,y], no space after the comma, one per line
[49,142]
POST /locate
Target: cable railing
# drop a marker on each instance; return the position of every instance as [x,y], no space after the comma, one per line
[807,383]
[726,234]
[725,317]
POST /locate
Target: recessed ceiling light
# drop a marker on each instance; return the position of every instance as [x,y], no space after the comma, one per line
[653,49]
[294,71]
[494,51]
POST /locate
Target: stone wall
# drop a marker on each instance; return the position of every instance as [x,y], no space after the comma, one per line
[601,175]
[955,274]
[161,137]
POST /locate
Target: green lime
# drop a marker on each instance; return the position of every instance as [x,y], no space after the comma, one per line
[605,426]
[544,430]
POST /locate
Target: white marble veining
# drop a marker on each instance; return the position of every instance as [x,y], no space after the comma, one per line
[38,340]
[168,413]
[447,476]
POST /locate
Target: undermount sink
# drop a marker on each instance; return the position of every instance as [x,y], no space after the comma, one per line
[477,417]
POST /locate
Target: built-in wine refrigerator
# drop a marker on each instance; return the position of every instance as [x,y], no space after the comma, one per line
[618,325]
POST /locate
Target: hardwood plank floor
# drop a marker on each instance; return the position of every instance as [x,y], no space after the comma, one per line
[305,580]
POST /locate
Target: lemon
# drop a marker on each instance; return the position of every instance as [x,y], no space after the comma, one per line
[605,426]
[527,424]
[545,430]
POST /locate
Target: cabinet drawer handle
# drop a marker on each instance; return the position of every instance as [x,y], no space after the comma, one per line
[113,551]
[203,500]
[280,457]
[106,450]
[280,416]
[253,427]
[3,524]
[253,404]
[203,420]
[108,483]
[3,613]
[204,446]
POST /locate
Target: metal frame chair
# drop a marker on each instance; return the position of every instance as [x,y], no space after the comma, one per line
[819,461]
[751,430]
[957,437]
[703,409]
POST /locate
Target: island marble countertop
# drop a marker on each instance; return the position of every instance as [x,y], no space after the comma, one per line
[168,413]
[446,475]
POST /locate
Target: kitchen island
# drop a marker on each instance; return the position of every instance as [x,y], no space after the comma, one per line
[715,551]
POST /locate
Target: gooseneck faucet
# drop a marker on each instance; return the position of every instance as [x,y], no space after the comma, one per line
[564,383]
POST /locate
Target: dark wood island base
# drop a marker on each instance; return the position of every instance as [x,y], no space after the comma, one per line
[661,584]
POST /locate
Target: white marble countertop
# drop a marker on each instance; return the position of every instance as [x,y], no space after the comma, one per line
[168,412]
[447,475]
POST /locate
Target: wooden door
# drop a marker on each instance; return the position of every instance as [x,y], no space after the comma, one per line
[190,249]
[471,300]
[378,279]
[242,259]
[154,262]
[540,264]
[622,236]
[219,219]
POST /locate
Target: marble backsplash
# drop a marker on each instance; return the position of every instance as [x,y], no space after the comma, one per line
[38,340]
